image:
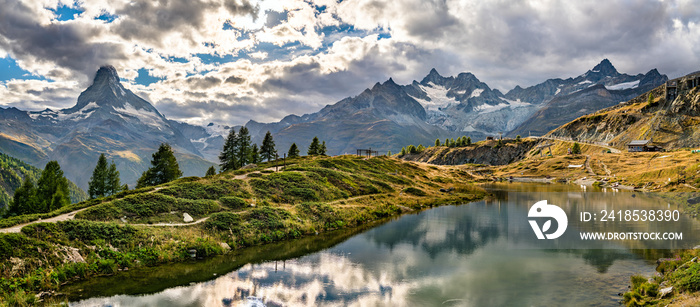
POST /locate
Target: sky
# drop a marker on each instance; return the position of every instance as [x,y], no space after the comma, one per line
[228,62]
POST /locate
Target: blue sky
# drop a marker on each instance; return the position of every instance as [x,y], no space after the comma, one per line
[232,61]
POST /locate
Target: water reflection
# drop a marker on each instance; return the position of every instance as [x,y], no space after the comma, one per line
[469,255]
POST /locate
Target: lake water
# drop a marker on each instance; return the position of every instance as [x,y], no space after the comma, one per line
[478,254]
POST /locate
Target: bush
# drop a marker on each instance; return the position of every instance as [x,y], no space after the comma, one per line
[268,218]
[414,191]
[233,202]
[224,221]
[689,279]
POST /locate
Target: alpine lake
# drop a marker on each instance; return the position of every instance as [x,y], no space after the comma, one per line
[478,254]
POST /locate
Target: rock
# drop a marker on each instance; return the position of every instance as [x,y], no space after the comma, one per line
[665,291]
[694,200]
[73,255]
[225,246]
[187,218]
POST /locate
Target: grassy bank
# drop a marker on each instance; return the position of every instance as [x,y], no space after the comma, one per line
[236,210]
[672,171]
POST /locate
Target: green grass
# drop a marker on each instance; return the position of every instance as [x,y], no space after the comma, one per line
[314,194]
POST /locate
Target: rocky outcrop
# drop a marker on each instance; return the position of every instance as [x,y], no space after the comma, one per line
[487,152]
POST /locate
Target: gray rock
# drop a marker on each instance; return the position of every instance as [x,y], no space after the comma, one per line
[225,246]
[187,218]
[665,291]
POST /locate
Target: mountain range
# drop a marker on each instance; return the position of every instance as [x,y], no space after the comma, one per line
[108,118]
[389,116]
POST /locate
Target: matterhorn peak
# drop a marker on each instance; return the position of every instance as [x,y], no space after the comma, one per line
[106,74]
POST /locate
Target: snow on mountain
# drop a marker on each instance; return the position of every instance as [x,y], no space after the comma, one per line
[624,85]
[437,95]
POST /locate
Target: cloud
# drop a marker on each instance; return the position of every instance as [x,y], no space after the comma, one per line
[229,61]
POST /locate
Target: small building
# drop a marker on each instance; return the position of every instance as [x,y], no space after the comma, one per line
[678,86]
[642,145]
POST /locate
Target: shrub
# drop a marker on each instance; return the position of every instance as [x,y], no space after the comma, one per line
[689,279]
[233,202]
[224,221]
[414,191]
[268,218]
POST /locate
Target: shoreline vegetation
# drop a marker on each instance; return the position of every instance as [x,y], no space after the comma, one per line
[243,208]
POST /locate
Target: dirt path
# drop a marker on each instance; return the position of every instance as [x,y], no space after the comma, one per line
[58,218]
[588,166]
[244,176]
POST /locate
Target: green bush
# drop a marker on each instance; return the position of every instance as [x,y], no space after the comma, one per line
[224,221]
[688,279]
[414,191]
[268,218]
[233,202]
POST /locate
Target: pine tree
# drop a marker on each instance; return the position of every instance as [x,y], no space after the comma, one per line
[576,149]
[211,171]
[403,151]
[518,138]
[314,147]
[420,148]
[437,142]
[322,150]
[243,147]
[388,153]
[255,155]
[114,184]
[293,151]
[98,182]
[469,141]
[447,142]
[227,156]
[164,168]
[125,187]
[452,143]
[267,149]
[24,201]
[411,149]
[52,188]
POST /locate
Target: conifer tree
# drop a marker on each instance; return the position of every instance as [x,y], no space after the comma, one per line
[227,156]
[518,138]
[210,172]
[164,168]
[403,151]
[469,141]
[322,149]
[314,147]
[447,142]
[437,142]
[267,149]
[52,188]
[114,184]
[576,149]
[255,154]
[388,153]
[293,151]
[243,147]
[98,182]
[24,201]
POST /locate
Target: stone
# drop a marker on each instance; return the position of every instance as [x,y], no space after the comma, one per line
[665,291]
[225,246]
[187,218]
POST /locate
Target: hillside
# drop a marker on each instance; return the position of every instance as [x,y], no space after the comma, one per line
[484,152]
[670,124]
[231,210]
[12,173]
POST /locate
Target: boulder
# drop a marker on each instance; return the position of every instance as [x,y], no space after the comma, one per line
[187,218]
[665,291]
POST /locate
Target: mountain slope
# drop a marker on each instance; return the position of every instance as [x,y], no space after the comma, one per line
[669,123]
[597,89]
[12,173]
[107,118]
